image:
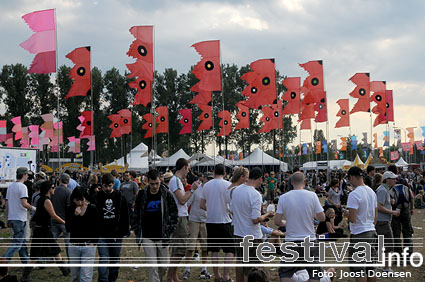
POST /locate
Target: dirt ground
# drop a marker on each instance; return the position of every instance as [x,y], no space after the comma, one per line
[139,275]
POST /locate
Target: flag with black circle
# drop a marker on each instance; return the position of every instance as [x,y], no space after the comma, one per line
[261,89]
[115,125]
[321,106]
[80,73]
[186,121]
[205,117]
[378,88]
[162,120]
[314,81]
[271,117]
[208,69]
[125,121]
[148,125]
[343,113]
[225,124]
[242,116]
[292,95]
[361,92]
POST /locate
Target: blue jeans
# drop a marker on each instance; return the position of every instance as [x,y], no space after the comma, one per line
[59,229]
[19,242]
[109,252]
[82,254]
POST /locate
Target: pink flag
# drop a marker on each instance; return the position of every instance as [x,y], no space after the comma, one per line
[74,145]
[419,145]
[3,130]
[42,42]
[91,143]
[394,155]
[406,146]
[9,140]
[33,134]
[25,141]
[47,126]
[17,128]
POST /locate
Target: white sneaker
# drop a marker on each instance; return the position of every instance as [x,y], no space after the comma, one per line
[196,257]
[186,275]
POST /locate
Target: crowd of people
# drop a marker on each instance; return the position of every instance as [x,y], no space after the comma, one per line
[181,216]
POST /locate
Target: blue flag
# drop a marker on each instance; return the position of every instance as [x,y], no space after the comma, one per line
[423,131]
[353,142]
[305,149]
[325,146]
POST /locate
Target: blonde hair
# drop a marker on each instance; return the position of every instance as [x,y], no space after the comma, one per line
[238,173]
[92,179]
[328,211]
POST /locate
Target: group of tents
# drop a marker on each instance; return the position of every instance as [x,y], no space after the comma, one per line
[140,159]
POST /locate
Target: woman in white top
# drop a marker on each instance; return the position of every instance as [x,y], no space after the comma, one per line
[240,176]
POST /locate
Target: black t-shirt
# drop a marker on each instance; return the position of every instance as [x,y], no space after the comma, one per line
[152,219]
[322,228]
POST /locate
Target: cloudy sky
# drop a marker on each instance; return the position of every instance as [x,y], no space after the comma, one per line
[385,38]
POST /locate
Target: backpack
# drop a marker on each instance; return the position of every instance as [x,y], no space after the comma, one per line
[401,197]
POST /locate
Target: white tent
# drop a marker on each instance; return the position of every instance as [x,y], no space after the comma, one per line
[211,162]
[259,158]
[171,161]
[333,164]
[401,163]
[137,158]
[153,156]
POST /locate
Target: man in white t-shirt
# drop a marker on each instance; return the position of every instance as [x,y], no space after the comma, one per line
[218,222]
[362,213]
[300,207]
[246,208]
[16,210]
[181,234]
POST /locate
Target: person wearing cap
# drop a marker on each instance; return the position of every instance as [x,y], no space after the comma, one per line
[300,208]
[16,213]
[167,177]
[362,212]
[246,207]
[61,199]
[385,212]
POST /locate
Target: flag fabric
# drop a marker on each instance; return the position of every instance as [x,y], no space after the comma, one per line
[305,149]
[80,73]
[292,95]
[142,70]
[386,139]
[314,81]
[364,139]
[394,155]
[381,152]
[242,116]
[333,145]
[203,97]
[47,126]
[419,145]
[423,131]
[343,113]
[225,124]
[389,105]
[397,136]
[91,143]
[375,140]
[86,123]
[34,135]
[321,106]
[261,89]
[307,111]
[410,134]
[364,152]
[271,117]
[148,125]
[74,145]
[407,146]
[3,130]
[207,70]
[361,92]
[162,120]
[305,124]
[378,88]
[125,122]
[205,117]
[325,146]
[343,144]
[353,142]
[318,147]
[25,141]
[186,121]
[17,128]
[9,140]
[336,155]
[115,125]
[42,42]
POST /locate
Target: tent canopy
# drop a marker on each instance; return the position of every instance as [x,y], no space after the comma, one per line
[401,163]
[333,164]
[259,158]
[137,158]
[171,161]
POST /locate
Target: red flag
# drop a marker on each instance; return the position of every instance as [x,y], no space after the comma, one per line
[378,87]
[162,120]
[389,105]
[242,116]
[225,123]
[419,145]
[307,111]
[148,125]
[42,42]
[204,98]
[207,70]
[115,125]
[315,79]
[271,118]
[361,92]
[261,89]
[80,73]
[17,127]
[142,50]
[321,106]
[406,146]
[344,113]
[125,122]
[142,47]
[292,95]
[86,123]
[306,124]
[206,117]
[394,155]
[186,121]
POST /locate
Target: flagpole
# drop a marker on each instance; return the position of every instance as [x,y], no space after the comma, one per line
[92,112]
[58,96]
[153,107]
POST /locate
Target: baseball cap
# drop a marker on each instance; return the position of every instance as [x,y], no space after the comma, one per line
[168,175]
[22,170]
[355,171]
[255,173]
[389,174]
[210,175]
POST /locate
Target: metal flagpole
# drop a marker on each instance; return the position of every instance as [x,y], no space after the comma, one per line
[58,96]
[92,112]
[153,107]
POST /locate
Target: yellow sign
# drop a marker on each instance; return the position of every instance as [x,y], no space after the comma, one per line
[109,168]
[46,168]
[73,166]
